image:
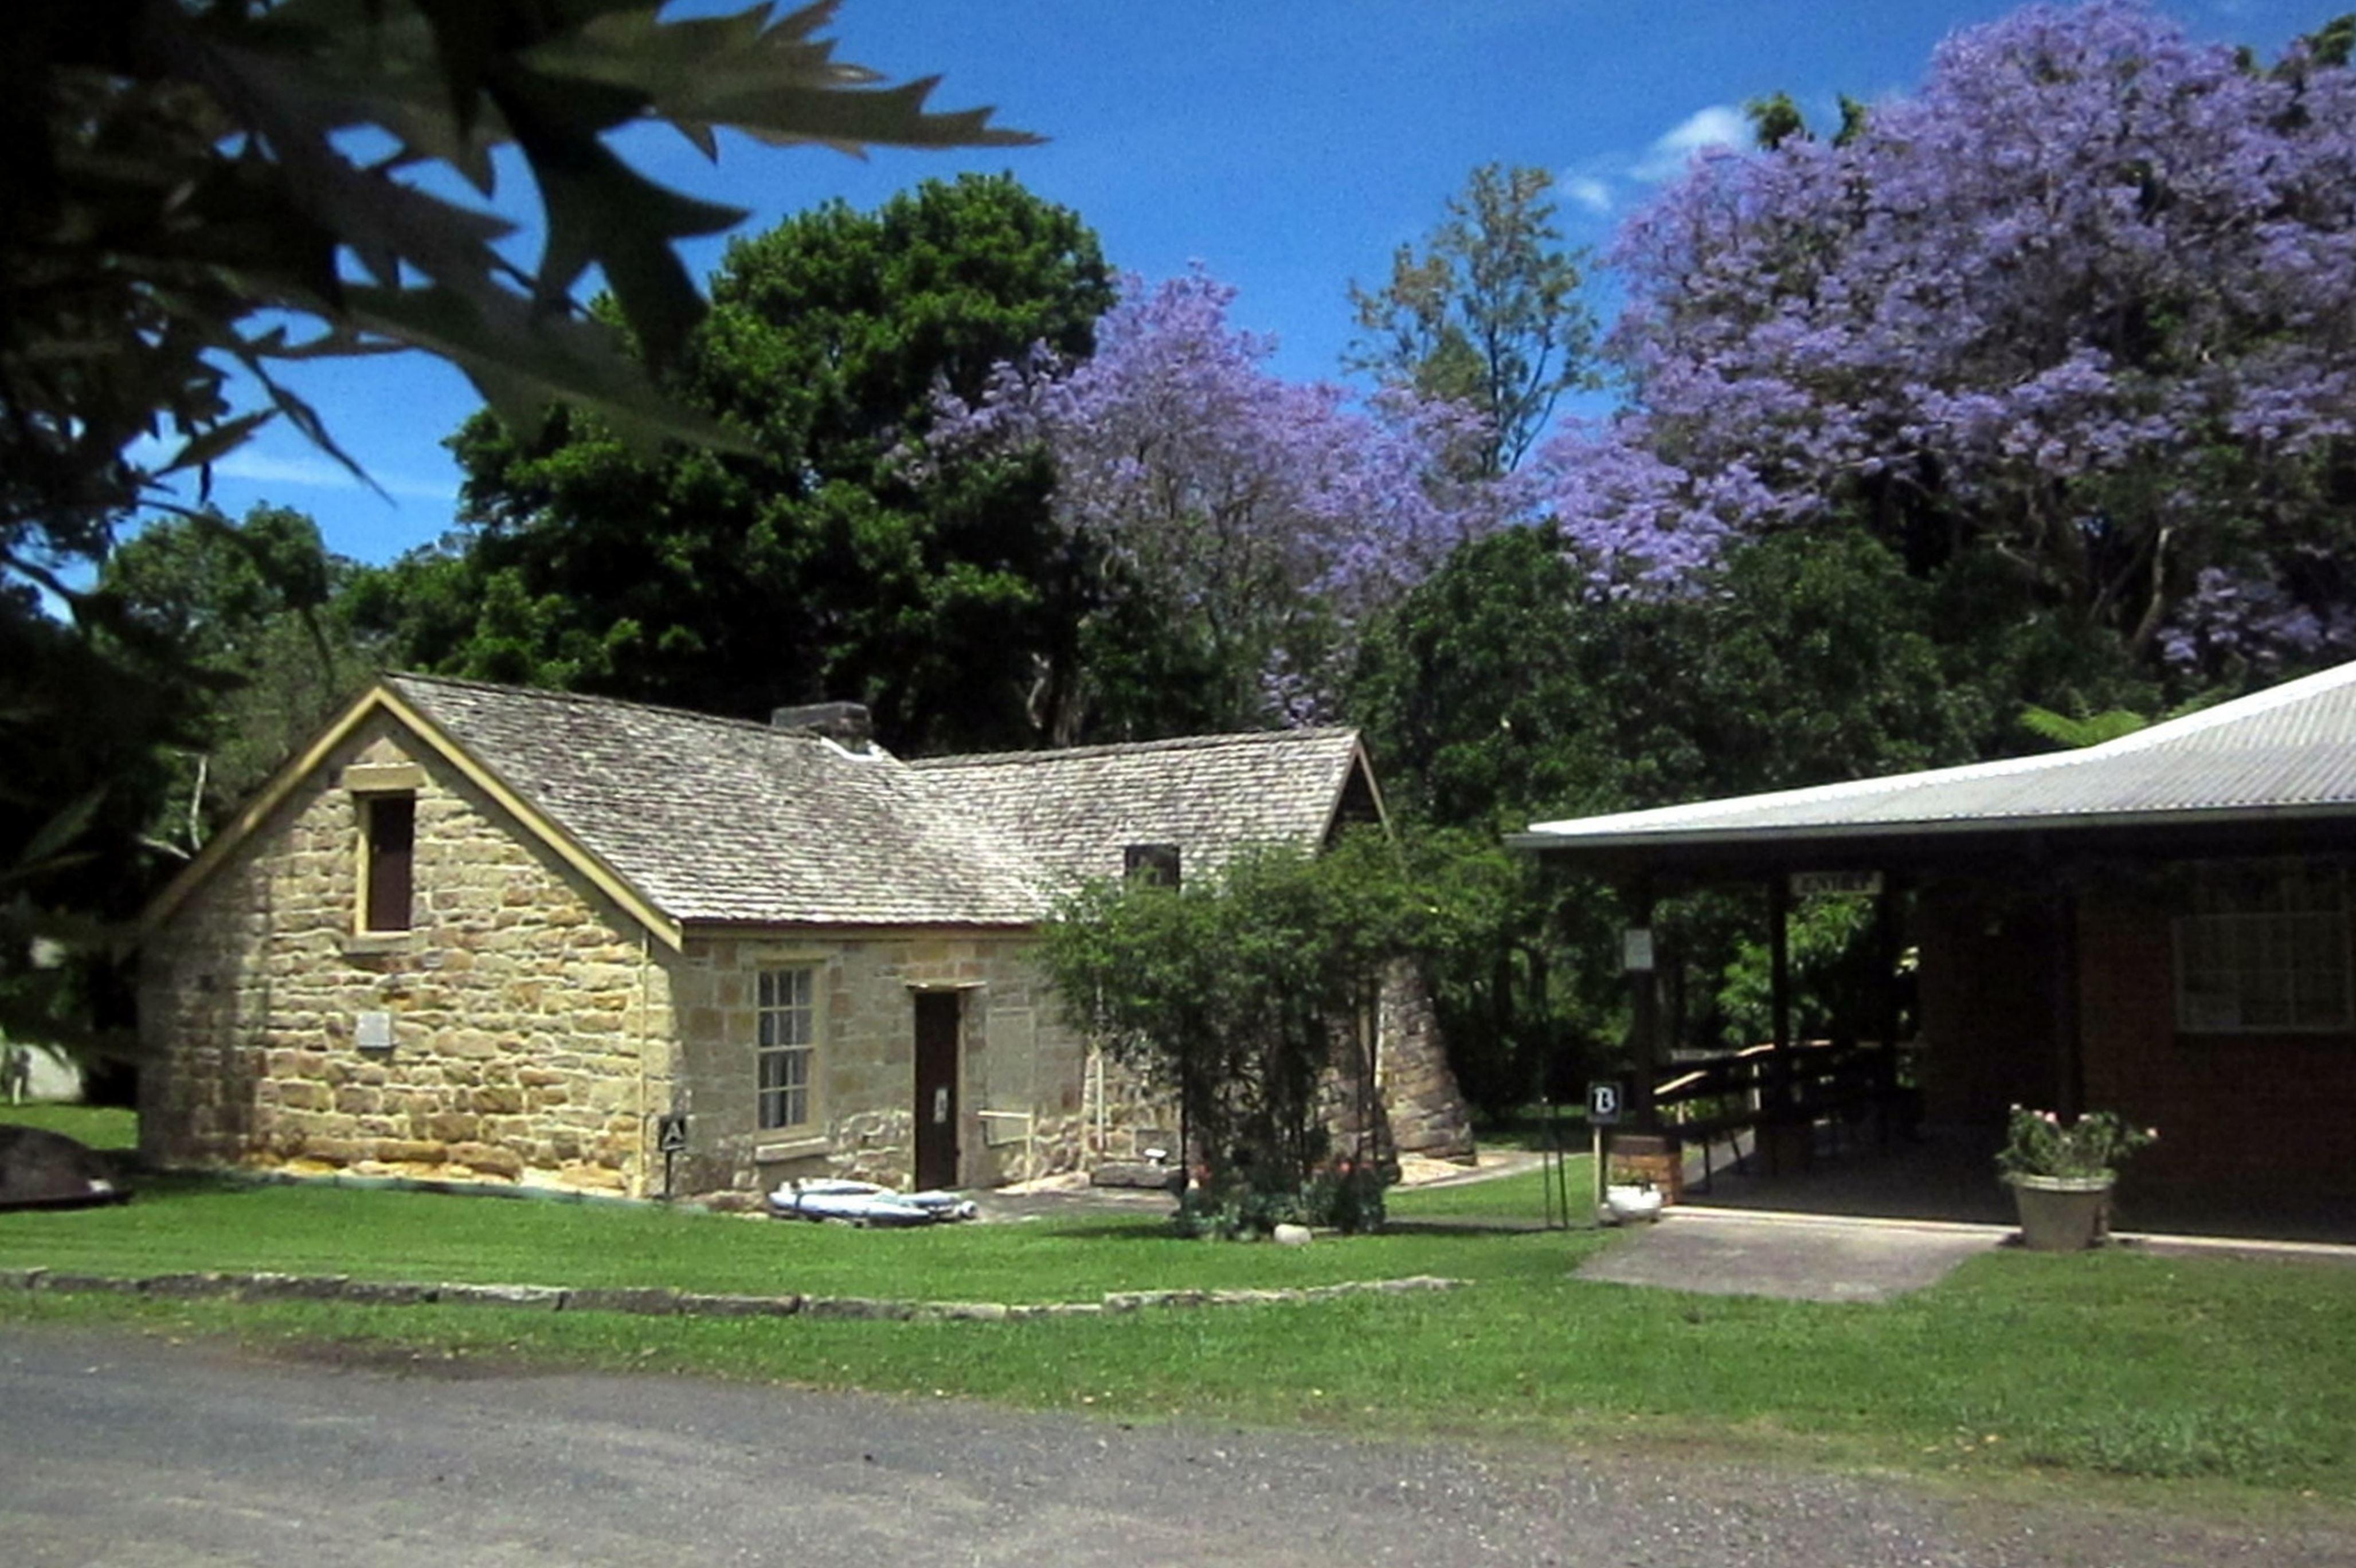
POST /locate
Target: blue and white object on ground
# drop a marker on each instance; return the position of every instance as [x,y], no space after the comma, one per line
[865,1203]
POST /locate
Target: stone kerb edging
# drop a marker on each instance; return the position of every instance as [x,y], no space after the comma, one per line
[662,1302]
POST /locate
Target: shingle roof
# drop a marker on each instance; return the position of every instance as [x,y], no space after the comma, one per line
[722,820]
[717,820]
[2287,752]
[1073,812]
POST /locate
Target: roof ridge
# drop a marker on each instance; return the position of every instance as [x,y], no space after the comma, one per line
[594,700]
[1836,789]
[2247,706]
[1136,748]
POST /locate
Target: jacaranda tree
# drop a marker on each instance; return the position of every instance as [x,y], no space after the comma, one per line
[2079,306]
[1261,519]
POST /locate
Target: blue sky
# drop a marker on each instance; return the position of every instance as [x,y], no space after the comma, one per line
[1289,148]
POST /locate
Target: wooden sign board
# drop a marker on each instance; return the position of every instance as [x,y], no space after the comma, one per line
[1835,884]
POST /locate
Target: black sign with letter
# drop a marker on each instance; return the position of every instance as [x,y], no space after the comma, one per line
[1603,1102]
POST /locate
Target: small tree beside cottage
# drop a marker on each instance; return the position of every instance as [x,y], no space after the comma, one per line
[1250,991]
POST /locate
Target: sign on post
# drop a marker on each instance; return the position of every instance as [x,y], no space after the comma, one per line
[670,1140]
[1603,1101]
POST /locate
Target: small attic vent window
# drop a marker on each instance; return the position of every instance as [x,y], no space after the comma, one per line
[1155,863]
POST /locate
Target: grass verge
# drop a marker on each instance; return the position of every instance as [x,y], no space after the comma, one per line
[2178,1369]
[2110,1366]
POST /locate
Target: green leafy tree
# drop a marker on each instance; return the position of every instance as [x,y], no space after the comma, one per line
[820,562]
[198,190]
[1509,688]
[181,172]
[254,616]
[1233,989]
[1487,314]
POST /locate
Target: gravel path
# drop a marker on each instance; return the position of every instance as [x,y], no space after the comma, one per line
[129,1450]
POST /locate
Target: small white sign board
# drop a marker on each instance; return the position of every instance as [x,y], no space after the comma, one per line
[1636,950]
[373,1032]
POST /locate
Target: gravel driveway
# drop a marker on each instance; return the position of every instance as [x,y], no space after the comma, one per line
[128,1450]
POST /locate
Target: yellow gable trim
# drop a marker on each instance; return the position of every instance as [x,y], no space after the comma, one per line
[377,699]
[603,878]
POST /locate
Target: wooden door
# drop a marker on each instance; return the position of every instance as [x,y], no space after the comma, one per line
[937,1026]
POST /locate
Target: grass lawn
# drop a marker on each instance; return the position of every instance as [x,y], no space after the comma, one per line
[1521,1196]
[2116,1362]
[99,1127]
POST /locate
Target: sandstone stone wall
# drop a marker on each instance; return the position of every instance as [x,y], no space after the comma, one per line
[527,1015]
[1016,1059]
[1419,1089]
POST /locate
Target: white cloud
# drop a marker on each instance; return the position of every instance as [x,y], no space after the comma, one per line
[322,474]
[1719,125]
[1589,192]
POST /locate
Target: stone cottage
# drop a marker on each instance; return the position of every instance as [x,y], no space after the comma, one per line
[476,933]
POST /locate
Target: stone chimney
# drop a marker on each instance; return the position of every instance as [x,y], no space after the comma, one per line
[845,723]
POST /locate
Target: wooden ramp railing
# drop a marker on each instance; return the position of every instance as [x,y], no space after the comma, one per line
[1778,1096]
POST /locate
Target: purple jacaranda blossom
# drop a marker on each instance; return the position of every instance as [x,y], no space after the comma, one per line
[2088,298]
[1276,515]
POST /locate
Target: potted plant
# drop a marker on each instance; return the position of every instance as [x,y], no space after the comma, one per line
[2062,1174]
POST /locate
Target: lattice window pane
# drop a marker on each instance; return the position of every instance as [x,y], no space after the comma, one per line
[785,1032]
[2265,949]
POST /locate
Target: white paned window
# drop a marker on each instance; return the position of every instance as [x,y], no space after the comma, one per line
[2263,950]
[787,1054]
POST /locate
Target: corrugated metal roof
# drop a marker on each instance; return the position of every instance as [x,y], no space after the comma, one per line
[2288,751]
[724,820]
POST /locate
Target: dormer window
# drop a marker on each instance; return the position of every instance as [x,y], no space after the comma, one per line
[1153,863]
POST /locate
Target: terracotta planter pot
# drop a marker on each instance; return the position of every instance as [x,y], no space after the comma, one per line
[2062,1213]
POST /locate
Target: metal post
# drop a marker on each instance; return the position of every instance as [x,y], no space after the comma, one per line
[1886,916]
[1779,1095]
[1595,1140]
[1644,1034]
[2070,1088]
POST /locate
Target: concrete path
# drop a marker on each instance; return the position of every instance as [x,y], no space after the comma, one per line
[1803,1257]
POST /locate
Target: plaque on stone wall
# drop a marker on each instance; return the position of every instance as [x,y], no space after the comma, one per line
[373,1032]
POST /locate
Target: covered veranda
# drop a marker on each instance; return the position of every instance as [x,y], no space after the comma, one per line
[2157,925]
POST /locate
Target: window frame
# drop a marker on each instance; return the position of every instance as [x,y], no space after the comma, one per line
[1159,865]
[378,861]
[784,992]
[2274,942]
